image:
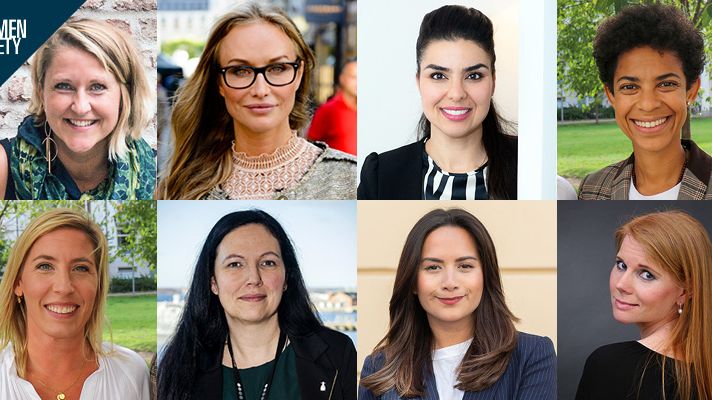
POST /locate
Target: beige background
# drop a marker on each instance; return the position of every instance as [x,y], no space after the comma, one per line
[524,234]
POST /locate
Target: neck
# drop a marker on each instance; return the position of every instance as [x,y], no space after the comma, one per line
[659,171]
[252,344]
[349,99]
[460,154]
[257,143]
[68,355]
[656,336]
[87,169]
[450,333]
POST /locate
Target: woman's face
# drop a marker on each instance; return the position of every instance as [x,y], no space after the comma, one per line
[81,99]
[450,278]
[650,98]
[260,108]
[249,274]
[456,84]
[59,282]
[641,292]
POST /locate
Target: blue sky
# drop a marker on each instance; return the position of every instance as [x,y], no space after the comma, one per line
[323,232]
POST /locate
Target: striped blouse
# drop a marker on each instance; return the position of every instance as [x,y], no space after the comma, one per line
[443,185]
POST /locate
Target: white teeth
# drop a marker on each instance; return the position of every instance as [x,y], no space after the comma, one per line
[455,112]
[80,123]
[650,124]
[61,309]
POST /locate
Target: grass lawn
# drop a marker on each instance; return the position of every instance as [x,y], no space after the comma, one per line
[133,321]
[585,148]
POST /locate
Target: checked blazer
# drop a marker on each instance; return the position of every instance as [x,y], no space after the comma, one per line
[613,182]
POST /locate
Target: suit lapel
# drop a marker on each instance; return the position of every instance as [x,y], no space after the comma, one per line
[620,187]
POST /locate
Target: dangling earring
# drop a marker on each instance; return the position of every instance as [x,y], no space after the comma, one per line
[19,299]
[679,308]
[48,142]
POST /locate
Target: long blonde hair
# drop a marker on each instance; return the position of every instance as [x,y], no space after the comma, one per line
[201,125]
[13,320]
[117,53]
[681,246]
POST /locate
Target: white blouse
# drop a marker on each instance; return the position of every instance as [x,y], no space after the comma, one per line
[122,374]
[445,364]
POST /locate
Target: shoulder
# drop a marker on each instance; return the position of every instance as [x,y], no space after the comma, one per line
[339,156]
[533,347]
[336,341]
[598,185]
[396,155]
[372,363]
[120,359]
[611,354]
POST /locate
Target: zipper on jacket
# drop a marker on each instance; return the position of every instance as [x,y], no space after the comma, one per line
[333,383]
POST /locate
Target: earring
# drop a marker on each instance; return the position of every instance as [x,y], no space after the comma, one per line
[679,308]
[19,299]
[48,142]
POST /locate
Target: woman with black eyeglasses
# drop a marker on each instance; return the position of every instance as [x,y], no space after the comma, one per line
[236,121]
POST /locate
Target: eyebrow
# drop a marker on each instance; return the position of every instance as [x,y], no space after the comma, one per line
[463,258]
[657,78]
[74,260]
[267,253]
[270,61]
[466,69]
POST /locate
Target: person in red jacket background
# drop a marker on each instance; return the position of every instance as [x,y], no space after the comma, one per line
[335,121]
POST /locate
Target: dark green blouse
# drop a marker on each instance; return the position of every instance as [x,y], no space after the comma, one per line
[284,386]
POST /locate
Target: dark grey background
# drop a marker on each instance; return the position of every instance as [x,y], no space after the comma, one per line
[586,253]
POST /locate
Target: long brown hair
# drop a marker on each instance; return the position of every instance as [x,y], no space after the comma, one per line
[201,125]
[680,245]
[408,345]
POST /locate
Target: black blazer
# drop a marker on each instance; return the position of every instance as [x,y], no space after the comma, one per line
[398,174]
[324,356]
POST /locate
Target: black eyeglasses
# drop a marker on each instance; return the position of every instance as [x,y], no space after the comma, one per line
[276,74]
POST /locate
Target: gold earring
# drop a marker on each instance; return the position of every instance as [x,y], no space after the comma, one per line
[19,299]
[48,142]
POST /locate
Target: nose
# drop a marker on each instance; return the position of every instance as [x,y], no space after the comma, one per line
[253,276]
[622,282]
[456,91]
[63,282]
[449,279]
[649,100]
[260,87]
[81,104]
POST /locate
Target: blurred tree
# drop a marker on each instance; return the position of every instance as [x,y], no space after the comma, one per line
[136,222]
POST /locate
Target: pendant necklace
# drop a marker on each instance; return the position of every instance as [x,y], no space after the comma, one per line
[60,393]
[236,372]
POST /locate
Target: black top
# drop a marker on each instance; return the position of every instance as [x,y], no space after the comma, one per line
[627,371]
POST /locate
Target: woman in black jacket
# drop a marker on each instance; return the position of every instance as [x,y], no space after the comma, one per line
[248,329]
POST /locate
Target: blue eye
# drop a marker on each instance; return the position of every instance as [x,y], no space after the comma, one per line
[97,87]
[44,267]
[63,86]
[82,268]
[620,265]
[647,276]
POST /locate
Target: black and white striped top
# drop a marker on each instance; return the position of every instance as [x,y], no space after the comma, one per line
[442,185]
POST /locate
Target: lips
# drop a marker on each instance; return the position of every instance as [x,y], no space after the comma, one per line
[450,300]
[623,306]
[253,297]
[650,124]
[455,113]
[62,309]
[80,123]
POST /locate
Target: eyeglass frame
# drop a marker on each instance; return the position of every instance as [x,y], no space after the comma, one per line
[262,70]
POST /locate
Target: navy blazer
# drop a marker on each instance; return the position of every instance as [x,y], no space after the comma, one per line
[530,375]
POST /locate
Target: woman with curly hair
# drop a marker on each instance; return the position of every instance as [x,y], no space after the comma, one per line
[650,59]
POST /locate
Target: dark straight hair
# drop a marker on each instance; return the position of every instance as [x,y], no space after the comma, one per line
[202,328]
[458,22]
[407,346]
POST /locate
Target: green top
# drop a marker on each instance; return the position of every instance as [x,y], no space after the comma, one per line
[284,386]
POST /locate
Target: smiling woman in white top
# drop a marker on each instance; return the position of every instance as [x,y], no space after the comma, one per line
[54,296]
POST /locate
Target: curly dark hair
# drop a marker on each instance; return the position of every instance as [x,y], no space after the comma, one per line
[664,28]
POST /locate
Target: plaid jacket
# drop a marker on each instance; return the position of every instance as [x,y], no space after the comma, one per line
[613,182]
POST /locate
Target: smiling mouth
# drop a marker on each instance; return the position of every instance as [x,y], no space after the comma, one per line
[623,305]
[650,124]
[450,300]
[456,111]
[80,123]
[57,309]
